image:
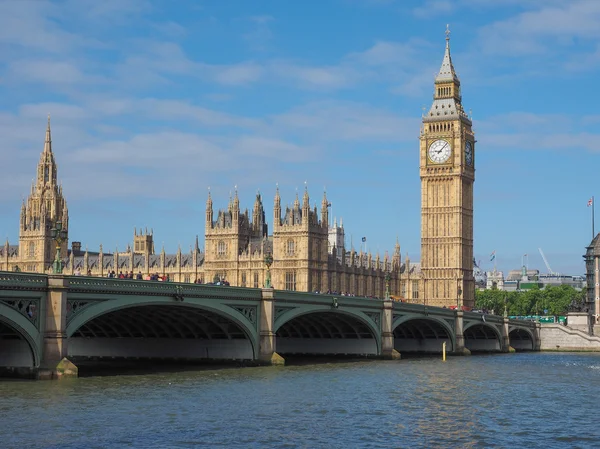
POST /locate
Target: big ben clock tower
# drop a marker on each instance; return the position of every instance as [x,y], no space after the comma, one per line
[447,167]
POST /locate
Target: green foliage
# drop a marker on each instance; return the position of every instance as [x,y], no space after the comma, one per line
[531,302]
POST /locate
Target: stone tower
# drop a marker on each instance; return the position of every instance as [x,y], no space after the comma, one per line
[143,242]
[300,245]
[228,237]
[447,168]
[44,207]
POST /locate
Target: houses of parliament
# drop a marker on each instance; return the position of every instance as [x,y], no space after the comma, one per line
[307,248]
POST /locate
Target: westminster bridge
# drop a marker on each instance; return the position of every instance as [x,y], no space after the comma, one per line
[46,321]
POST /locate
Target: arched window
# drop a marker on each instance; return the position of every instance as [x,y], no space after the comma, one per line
[290,247]
[31,250]
[221,248]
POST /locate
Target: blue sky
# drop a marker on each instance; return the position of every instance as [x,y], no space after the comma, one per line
[152,103]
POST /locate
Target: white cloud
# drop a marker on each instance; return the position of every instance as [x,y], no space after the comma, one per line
[540,30]
[434,7]
[50,72]
[346,121]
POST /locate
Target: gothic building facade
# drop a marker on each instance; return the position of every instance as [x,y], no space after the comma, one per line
[307,253]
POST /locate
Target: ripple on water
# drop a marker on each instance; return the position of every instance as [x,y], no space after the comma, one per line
[519,400]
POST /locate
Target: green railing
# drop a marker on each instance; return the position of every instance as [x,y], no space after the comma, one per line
[30,281]
[157,288]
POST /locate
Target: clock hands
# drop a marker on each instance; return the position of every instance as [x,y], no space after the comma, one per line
[442,149]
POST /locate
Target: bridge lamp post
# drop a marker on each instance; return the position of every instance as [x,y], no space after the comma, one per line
[59,235]
[388,278]
[268,262]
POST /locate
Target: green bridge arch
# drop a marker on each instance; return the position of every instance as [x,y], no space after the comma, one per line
[420,317]
[302,310]
[25,328]
[225,310]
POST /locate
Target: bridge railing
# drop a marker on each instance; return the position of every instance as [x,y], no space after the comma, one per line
[156,288]
[27,281]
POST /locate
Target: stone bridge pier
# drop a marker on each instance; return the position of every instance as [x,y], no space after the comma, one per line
[54,362]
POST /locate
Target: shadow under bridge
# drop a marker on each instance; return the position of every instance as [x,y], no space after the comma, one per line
[422,335]
[327,332]
[160,331]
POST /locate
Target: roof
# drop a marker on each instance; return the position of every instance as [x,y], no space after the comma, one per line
[108,261]
[13,251]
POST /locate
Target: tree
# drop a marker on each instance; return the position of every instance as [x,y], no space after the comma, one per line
[554,299]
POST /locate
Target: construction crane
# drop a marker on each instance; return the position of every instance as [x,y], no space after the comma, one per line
[550,272]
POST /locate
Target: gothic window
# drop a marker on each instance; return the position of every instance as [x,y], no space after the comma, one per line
[255,280]
[31,250]
[403,289]
[290,280]
[221,248]
[290,247]
[46,174]
[243,279]
[186,278]
[415,289]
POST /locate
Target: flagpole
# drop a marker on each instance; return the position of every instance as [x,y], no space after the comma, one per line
[593,233]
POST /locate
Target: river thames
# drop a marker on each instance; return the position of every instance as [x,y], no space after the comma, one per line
[499,401]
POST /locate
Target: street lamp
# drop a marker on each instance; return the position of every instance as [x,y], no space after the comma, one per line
[59,235]
[388,278]
[268,262]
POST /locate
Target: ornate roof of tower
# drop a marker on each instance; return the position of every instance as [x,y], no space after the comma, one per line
[447,72]
[447,98]
[305,199]
[296,202]
[277,197]
[48,142]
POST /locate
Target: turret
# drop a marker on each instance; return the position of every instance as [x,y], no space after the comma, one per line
[116,261]
[396,256]
[101,260]
[209,211]
[259,227]
[86,261]
[235,210]
[277,209]
[325,211]
[305,202]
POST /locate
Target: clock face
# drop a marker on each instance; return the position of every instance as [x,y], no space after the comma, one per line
[469,153]
[439,151]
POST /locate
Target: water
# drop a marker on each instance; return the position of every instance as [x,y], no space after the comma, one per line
[531,400]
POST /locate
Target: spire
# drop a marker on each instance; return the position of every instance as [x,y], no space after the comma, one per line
[48,142]
[325,211]
[209,202]
[305,199]
[277,197]
[296,202]
[447,72]
[196,247]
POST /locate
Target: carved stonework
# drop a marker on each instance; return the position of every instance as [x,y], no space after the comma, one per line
[280,311]
[248,312]
[75,306]
[450,323]
[375,316]
[29,308]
